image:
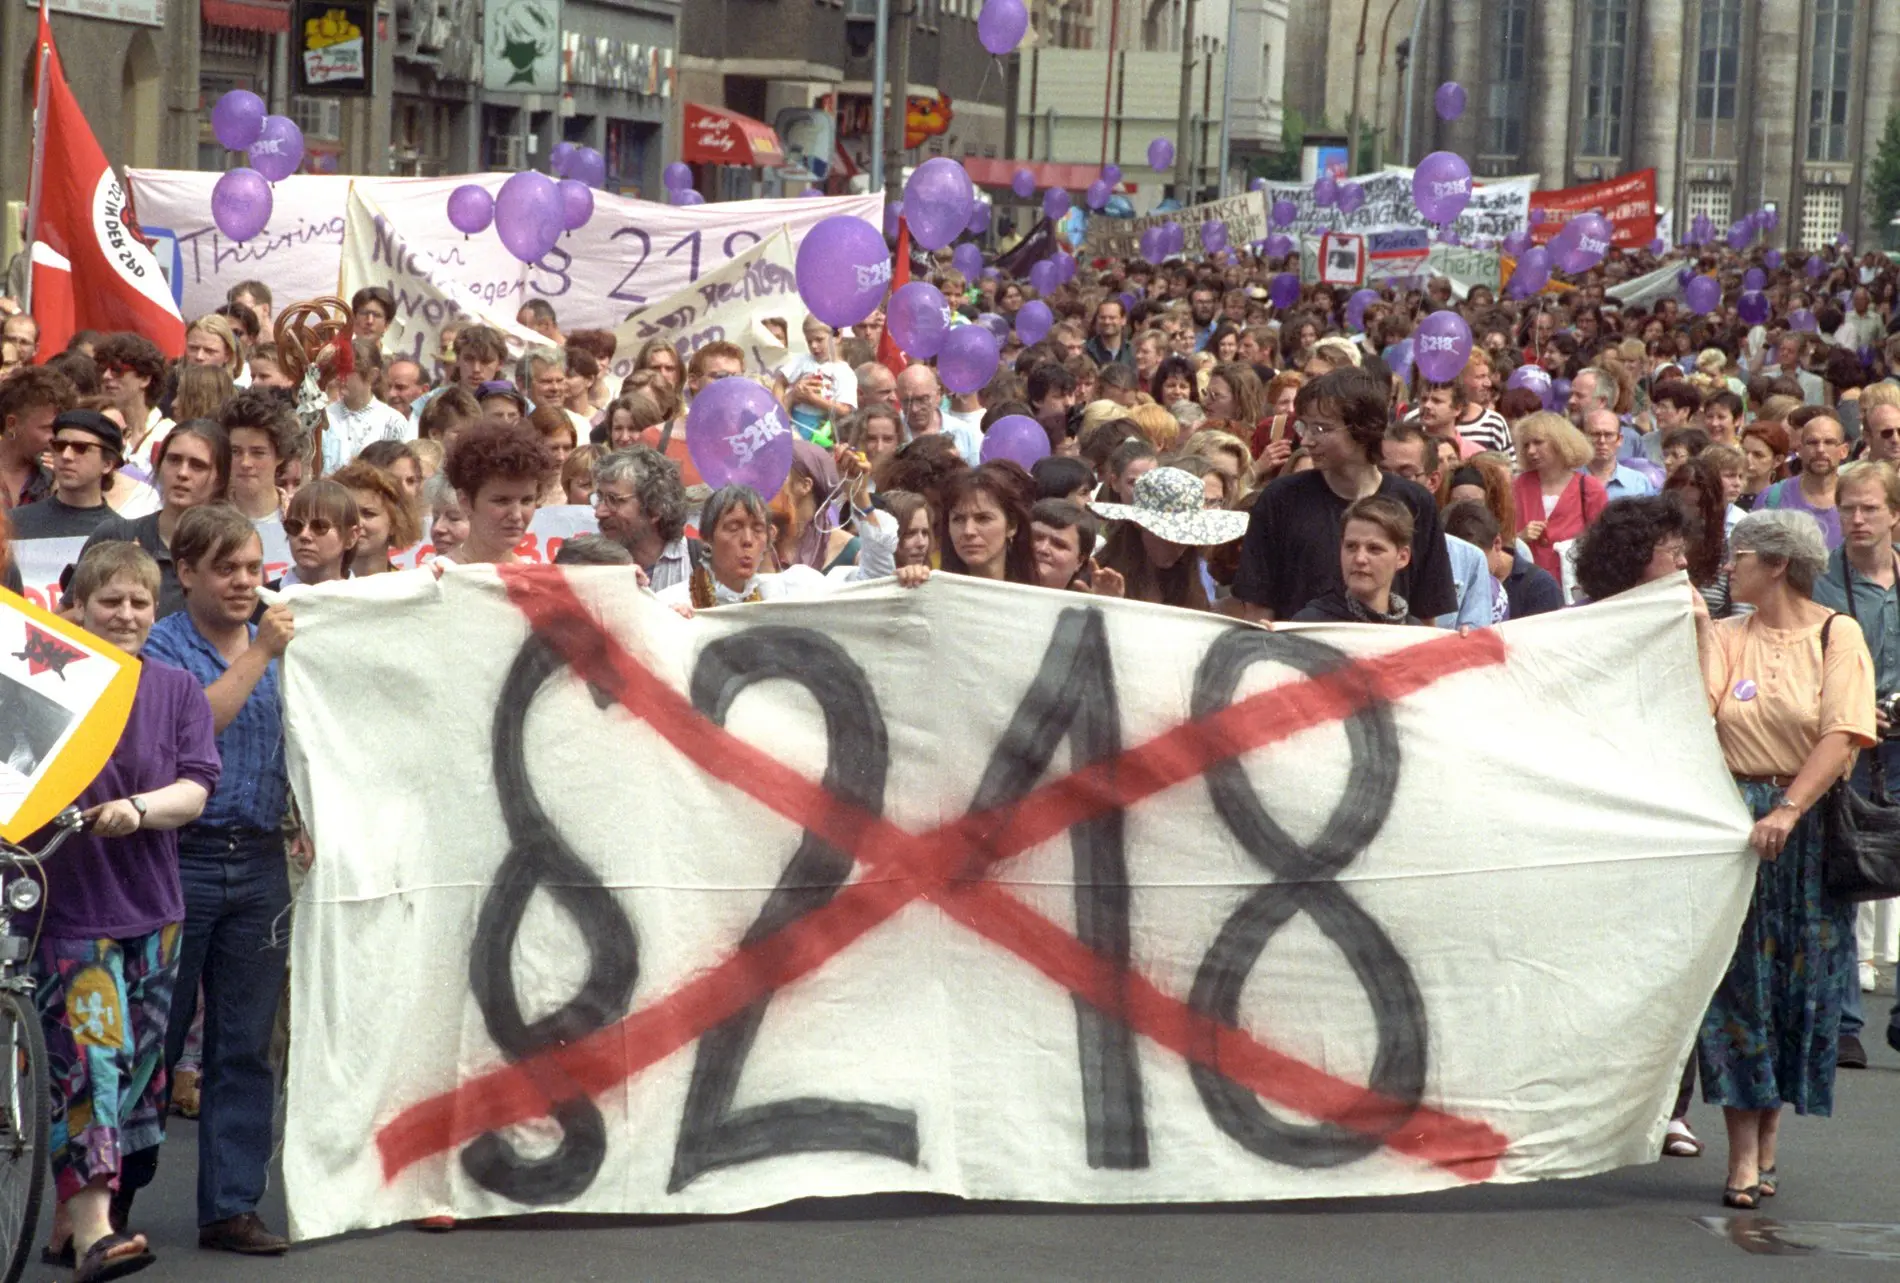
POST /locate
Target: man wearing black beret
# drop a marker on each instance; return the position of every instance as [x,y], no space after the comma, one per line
[86,447]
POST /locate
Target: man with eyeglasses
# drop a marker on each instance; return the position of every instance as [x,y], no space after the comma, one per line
[1604,431]
[641,505]
[715,361]
[920,397]
[86,448]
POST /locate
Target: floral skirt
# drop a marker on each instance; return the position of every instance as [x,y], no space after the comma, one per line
[104,1005]
[1769,1036]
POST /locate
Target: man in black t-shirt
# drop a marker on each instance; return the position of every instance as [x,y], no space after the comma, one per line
[1290,556]
[86,448]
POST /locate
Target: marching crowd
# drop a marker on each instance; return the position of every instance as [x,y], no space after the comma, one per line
[1206,450]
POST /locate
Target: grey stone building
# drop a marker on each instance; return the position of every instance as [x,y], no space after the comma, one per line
[1735,103]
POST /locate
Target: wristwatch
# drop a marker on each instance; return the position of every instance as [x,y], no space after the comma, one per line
[138,804]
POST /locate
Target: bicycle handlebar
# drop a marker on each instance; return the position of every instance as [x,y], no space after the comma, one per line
[65,824]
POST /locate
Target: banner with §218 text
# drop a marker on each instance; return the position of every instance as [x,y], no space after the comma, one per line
[696,916]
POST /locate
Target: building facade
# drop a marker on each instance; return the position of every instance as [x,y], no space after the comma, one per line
[1737,104]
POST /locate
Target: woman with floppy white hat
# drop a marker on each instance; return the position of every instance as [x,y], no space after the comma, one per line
[1157,540]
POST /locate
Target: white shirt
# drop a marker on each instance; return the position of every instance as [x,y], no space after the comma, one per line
[139,462]
[965,427]
[840,386]
[347,431]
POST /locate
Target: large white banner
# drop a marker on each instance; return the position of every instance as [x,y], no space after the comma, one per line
[632,253]
[985,890]
[1499,206]
[1245,217]
[731,304]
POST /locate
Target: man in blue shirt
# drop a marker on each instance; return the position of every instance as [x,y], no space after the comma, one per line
[1863,581]
[231,863]
[1620,479]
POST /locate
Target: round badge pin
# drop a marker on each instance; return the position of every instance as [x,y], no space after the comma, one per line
[1745,689]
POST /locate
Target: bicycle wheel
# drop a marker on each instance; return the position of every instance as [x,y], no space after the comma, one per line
[25,1123]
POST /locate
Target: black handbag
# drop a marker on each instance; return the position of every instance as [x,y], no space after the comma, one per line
[1860,855]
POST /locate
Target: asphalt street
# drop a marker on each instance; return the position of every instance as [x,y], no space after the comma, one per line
[1638,1223]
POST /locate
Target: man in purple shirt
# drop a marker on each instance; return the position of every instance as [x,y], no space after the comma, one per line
[109,930]
[1822,445]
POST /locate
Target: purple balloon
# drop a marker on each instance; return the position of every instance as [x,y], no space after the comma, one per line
[471,209]
[1441,186]
[238,118]
[1285,212]
[893,210]
[1279,245]
[1803,320]
[278,149]
[1686,275]
[1285,290]
[842,270]
[1816,269]
[1703,295]
[1533,377]
[1111,174]
[1441,345]
[1018,438]
[1754,279]
[1023,183]
[1213,236]
[678,176]
[1044,276]
[810,192]
[1401,362]
[1533,271]
[1659,247]
[588,166]
[1176,236]
[1325,191]
[577,204]
[1559,394]
[1449,100]
[1350,197]
[1773,259]
[561,155]
[1753,307]
[1161,154]
[1000,25]
[1097,194]
[1065,266]
[528,215]
[979,218]
[738,435]
[937,201]
[1128,300]
[968,259]
[1356,306]
[1740,234]
[1517,243]
[997,325]
[241,204]
[918,317]
[1055,202]
[688,197]
[1537,217]
[1153,245]
[967,359]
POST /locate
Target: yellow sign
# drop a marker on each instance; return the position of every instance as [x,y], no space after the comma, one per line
[64,699]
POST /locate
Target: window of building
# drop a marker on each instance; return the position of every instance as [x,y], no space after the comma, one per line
[1717,70]
[1822,209]
[1508,94]
[1606,53]
[1717,200]
[1830,77]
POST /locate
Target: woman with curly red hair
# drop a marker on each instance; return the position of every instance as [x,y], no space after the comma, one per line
[498,471]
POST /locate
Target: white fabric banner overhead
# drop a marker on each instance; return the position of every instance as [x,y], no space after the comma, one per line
[730,304]
[632,253]
[1245,216]
[701,916]
[1499,206]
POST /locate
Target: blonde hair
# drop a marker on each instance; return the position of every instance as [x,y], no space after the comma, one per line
[1876,472]
[1725,457]
[1875,395]
[220,327]
[1096,413]
[1161,428]
[429,455]
[1555,431]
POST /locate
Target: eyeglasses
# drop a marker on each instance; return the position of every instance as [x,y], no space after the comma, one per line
[67,445]
[1888,434]
[713,376]
[1315,427]
[318,526]
[117,371]
[608,499]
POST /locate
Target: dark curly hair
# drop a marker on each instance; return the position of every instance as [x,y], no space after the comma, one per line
[1174,367]
[1697,486]
[137,353]
[1616,549]
[492,449]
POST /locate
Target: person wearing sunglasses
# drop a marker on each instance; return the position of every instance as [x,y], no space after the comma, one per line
[324,528]
[132,372]
[1881,420]
[86,447]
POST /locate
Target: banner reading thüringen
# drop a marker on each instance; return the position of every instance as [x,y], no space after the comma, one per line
[985,890]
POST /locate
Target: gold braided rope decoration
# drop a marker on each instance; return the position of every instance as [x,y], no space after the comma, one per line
[305,329]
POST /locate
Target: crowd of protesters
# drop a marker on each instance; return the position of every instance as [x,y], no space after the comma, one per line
[1207,451]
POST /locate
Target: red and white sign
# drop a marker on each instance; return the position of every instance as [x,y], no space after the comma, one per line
[715,136]
[1628,201]
[90,272]
[1342,259]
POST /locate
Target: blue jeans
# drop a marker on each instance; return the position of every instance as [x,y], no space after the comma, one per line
[237,942]
[1852,1020]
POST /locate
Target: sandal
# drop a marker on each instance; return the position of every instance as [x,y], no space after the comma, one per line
[1680,1142]
[99,1265]
[1747,1199]
[1765,1182]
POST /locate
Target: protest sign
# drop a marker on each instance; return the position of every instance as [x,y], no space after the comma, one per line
[64,698]
[41,562]
[730,304]
[631,253]
[1628,201]
[1498,207]
[1396,258]
[1244,215]
[1046,939]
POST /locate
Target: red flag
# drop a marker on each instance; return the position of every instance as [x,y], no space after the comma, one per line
[90,271]
[888,355]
